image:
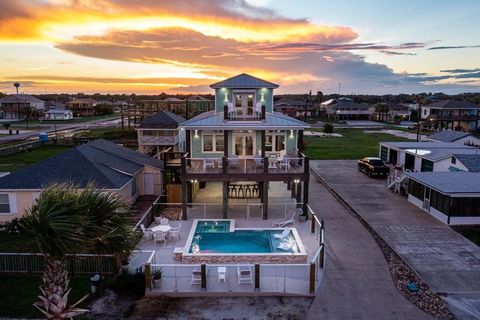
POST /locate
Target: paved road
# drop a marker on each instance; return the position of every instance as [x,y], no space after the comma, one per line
[446,261]
[357,283]
[50,128]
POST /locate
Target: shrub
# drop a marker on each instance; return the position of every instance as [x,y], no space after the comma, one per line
[128,284]
[103,109]
[328,128]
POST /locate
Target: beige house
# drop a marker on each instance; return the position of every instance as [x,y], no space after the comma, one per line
[111,167]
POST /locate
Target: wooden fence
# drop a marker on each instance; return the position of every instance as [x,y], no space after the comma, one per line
[80,264]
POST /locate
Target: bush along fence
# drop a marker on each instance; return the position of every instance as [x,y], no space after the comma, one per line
[80,264]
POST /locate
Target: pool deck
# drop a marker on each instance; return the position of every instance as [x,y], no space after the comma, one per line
[276,279]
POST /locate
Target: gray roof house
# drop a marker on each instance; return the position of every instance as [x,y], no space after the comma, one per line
[460,137]
[104,163]
[12,105]
[159,132]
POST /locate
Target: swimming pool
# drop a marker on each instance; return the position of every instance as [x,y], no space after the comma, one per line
[219,241]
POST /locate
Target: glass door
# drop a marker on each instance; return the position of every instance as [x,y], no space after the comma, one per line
[244,104]
[244,144]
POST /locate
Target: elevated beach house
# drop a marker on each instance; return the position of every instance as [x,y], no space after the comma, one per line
[242,147]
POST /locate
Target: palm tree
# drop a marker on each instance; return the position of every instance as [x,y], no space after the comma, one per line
[66,221]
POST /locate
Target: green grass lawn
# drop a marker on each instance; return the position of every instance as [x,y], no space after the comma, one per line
[354,144]
[19,292]
[109,134]
[20,160]
[470,232]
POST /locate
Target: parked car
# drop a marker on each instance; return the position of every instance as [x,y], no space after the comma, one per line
[373,166]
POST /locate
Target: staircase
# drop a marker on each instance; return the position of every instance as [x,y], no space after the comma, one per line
[395,181]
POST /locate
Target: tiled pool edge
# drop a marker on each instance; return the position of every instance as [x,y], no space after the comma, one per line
[300,257]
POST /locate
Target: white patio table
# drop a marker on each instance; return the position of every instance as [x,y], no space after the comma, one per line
[163,228]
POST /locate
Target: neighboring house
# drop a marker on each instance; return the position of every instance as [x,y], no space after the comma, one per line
[58,114]
[460,137]
[398,112]
[294,107]
[51,104]
[159,132]
[451,114]
[11,106]
[110,166]
[243,140]
[82,106]
[345,109]
[425,156]
[451,197]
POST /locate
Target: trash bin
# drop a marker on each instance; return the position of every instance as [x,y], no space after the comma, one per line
[95,282]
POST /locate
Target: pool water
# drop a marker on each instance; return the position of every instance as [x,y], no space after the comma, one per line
[212,227]
[241,241]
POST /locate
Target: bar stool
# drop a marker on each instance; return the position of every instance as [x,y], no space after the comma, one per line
[248,191]
[233,189]
[256,190]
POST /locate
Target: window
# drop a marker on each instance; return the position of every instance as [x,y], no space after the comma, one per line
[454,160]
[274,141]
[213,142]
[383,153]
[4,203]
[427,165]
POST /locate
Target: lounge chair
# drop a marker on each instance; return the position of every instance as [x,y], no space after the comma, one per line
[147,232]
[286,222]
[285,233]
[233,162]
[208,163]
[197,275]
[244,274]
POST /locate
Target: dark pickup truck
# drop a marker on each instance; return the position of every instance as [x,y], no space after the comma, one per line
[373,167]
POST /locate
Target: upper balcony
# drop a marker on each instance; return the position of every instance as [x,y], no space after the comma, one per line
[272,168]
[453,117]
[257,113]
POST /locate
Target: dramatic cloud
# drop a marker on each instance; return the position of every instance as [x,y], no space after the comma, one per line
[453,47]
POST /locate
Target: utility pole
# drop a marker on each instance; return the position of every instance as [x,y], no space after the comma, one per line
[339,88]
[419,122]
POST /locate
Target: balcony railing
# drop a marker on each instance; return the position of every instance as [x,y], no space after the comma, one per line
[440,117]
[353,112]
[233,115]
[159,140]
[247,165]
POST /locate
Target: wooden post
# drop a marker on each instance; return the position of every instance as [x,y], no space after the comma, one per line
[305,198]
[312,278]
[265,200]
[322,256]
[148,276]
[262,143]
[300,141]
[187,142]
[257,277]
[225,143]
[203,269]
[224,165]
[225,199]
[225,112]
[312,225]
[265,164]
[263,112]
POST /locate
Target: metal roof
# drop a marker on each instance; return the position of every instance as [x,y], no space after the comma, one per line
[433,151]
[243,81]
[212,120]
[449,182]
[20,98]
[448,135]
[471,161]
[102,162]
[163,119]
[452,104]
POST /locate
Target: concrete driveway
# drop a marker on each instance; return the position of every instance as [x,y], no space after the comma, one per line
[446,261]
[357,283]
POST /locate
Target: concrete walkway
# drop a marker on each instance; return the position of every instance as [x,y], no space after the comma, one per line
[356,283]
[446,261]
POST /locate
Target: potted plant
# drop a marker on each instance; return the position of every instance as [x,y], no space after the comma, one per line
[157,213]
[156,278]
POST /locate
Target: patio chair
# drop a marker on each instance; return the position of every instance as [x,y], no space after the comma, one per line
[284,234]
[258,160]
[160,236]
[175,231]
[244,274]
[286,222]
[282,153]
[197,275]
[208,163]
[233,162]
[164,221]
[147,232]
[285,162]
[232,112]
[257,110]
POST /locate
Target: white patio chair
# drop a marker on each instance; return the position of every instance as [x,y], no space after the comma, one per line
[285,162]
[147,232]
[164,221]
[257,110]
[258,161]
[208,163]
[175,231]
[232,112]
[286,222]
[160,236]
[284,234]
[197,275]
[244,274]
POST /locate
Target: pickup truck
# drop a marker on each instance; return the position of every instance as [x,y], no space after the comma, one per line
[373,166]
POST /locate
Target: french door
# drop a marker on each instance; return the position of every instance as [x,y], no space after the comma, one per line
[244,144]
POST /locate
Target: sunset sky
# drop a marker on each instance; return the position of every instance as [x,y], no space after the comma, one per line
[150,46]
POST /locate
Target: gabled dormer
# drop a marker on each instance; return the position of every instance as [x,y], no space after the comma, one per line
[244,97]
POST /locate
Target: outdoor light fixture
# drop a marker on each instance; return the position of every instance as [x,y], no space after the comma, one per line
[182,128]
[291,133]
[196,134]
[296,181]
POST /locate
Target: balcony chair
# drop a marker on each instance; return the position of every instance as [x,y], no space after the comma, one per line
[244,274]
[147,232]
[257,110]
[285,162]
[232,112]
[197,275]
[208,163]
[233,162]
